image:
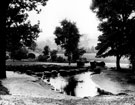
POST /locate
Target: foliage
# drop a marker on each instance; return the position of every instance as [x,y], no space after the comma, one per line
[33,46]
[20,32]
[67,36]
[22,35]
[117,21]
[60,59]
[46,51]
[42,58]
[78,53]
[53,55]
[19,54]
[31,55]
[13,20]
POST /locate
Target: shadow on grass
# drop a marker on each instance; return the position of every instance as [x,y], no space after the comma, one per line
[126,74]
[3,90]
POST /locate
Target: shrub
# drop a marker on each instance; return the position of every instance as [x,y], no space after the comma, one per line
[60,59]
[19,54]
[42,58]
[53,55]
[31,55]
[80,63]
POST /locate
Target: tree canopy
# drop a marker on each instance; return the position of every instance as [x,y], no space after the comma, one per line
[117,26]
[13,25]
[19,31]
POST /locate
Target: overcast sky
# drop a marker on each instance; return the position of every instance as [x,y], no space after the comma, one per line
[77,11]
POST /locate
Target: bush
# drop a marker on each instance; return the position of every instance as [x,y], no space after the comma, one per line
[31,55]
[42,58]
[19,54]
[53,55]
[60,59]
[80,63]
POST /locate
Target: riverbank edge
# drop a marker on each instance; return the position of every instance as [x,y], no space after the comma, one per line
[97,100]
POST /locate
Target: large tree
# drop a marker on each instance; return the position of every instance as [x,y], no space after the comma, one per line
[13,26]
[131,42]
[117,17]
[67,36]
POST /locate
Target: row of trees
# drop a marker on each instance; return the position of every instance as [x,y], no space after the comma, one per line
[52,55]
[67,37]
[47,54]
[24,54]
[118,29]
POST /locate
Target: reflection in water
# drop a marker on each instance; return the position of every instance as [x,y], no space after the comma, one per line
[87,87]
[80,85]
[58,83]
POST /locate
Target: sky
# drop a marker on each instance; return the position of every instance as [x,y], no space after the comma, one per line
[77,11]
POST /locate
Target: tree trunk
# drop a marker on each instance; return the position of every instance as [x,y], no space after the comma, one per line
[133,68]
[118,62]
[2,48]
[69,63]
[2,52]
[69,59]
[132,60]
[3,10]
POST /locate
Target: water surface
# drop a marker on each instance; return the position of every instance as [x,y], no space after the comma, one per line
[82,85]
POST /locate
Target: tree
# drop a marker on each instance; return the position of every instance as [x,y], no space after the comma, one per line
[67,36]
[53,55]
[46,51]
[117,17]
[78,53]
[111,41]
[131,43]
[21,36]
[19,54]
[14,13]
[33,46]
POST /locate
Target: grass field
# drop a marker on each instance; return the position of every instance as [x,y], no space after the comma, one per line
[110,61]
[91,56]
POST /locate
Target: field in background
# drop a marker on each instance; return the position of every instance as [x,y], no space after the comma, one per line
[110,61]
[91,56]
